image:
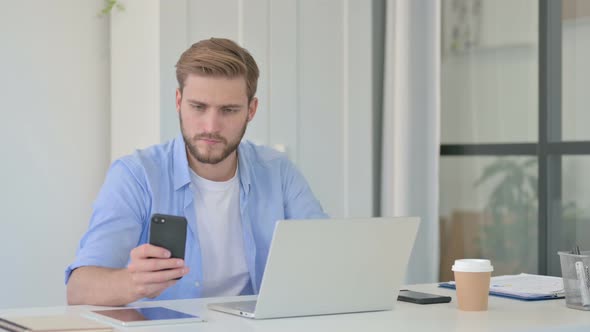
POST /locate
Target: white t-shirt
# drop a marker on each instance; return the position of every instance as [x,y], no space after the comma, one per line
[217,207]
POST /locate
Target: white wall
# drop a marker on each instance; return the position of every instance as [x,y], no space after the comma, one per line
[135,77]
[54,143]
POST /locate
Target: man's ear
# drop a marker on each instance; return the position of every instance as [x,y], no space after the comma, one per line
[252,107]
[178,99]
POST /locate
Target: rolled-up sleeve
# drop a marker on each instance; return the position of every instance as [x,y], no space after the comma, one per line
[116,224]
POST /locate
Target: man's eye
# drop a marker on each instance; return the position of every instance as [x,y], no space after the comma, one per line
[230,110]
[198,107]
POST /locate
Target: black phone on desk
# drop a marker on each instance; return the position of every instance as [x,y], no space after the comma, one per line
[169,232]
[421,298]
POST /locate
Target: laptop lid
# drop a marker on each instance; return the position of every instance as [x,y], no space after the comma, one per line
[329,266]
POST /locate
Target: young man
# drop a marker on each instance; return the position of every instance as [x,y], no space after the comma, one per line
[231,192]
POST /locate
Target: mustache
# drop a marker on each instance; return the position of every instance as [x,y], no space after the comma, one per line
[210,136]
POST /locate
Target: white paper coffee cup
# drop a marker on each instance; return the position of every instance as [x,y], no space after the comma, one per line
[472,281]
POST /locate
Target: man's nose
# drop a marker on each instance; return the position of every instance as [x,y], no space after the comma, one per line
[212,121]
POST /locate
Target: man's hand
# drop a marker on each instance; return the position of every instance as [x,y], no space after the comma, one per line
[152,270]
[149,273]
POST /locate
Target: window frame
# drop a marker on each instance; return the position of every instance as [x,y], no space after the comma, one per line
[550,148]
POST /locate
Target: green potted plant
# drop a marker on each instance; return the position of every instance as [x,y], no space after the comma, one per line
[510,230]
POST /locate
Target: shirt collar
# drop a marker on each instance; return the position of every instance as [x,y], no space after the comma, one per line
[244,164]
[182,175]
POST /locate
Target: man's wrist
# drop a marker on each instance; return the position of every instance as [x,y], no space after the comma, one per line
[129,291]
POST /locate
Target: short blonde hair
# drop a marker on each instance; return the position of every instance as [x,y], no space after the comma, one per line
[218,57]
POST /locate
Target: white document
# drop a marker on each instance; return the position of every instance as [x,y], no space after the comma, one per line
[527,285]
[523,286]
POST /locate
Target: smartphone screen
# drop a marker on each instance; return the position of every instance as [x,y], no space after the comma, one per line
[421,298]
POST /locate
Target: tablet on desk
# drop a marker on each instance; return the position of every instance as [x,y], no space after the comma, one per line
[144,316]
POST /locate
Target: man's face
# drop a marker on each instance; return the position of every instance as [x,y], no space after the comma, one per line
[214,113]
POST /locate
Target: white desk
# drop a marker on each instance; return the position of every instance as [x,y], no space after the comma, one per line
[503,315]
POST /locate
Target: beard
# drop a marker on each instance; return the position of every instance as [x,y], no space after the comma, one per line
[209,155]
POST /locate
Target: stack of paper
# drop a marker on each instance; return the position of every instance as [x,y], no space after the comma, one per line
[528,287]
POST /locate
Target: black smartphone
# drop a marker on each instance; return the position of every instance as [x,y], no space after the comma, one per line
[421,298]
[169,232]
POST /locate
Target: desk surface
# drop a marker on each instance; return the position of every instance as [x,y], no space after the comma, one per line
[503,315]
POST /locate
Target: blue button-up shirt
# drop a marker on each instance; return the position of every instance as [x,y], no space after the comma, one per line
[157,180]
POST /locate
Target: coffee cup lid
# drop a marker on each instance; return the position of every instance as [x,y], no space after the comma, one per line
[472,265]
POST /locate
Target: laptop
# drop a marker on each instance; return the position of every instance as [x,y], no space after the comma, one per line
[331,266]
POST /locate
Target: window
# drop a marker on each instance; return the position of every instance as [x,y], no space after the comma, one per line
[514,144]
